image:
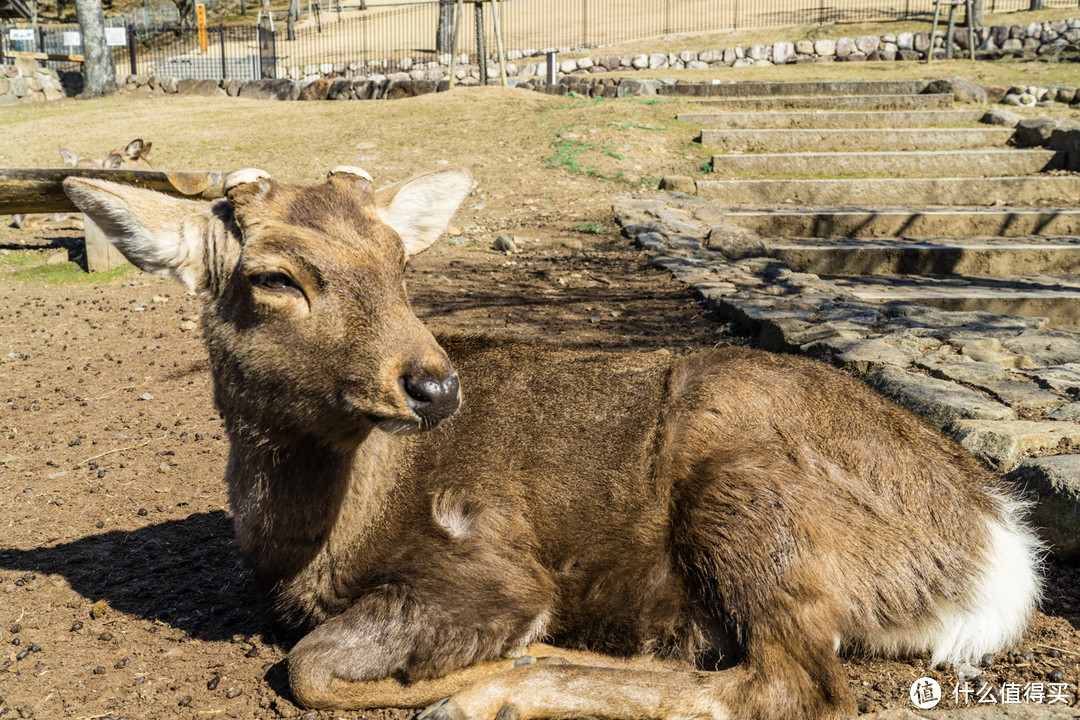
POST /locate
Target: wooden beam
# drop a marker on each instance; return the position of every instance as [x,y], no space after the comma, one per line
[44,56]
[40,190]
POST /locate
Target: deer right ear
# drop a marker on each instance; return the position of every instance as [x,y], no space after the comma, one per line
[157,233]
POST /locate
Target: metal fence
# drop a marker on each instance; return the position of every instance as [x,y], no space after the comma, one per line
[405,37]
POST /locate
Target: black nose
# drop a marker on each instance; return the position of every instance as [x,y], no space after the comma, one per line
[432,398]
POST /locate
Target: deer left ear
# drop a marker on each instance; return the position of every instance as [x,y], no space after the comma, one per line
[420,208]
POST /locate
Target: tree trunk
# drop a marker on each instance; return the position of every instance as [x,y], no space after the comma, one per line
[978,8]
[443,39]
[99,70]
[1036,5]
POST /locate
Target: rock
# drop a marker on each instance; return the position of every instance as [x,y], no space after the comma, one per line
[963,90]
[998,116]
[940,402]
[867,44]
[969,373]
[1045,348]
[758,52]
[1063,379]
[206,88]
[678,183]
[735,242]
[1035,132]
[859,355]
[270,90]
[57,258]
[905,41]
[922,42]
[1003,444]
[845,46]
[782,52]
[1054,484]
[629,87]
[1023,396]
[52,94]
[317,90]
[988,349]
[649,241]
[170,85]
[658,61]
[19,87]
[505,243]
[824,47]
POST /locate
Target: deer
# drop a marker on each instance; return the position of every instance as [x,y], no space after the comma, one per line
[132,156]
[500,530]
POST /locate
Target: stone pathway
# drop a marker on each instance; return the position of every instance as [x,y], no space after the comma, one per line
[1006,387]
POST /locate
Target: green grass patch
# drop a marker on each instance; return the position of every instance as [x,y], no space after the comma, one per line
[69,274]
[19,259]
[590,227]
[636,126]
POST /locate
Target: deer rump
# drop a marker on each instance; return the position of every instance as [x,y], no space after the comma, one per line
[574,533]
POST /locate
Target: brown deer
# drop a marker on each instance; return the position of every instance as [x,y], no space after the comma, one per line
[690,537]
[132,156]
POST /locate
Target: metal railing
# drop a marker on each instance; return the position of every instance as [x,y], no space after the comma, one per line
[402,38]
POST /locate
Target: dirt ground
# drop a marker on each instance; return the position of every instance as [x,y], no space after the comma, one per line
[121,592]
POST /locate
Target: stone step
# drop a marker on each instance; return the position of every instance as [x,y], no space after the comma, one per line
[918,163]
[880,222]
[975,257]
[832,102]
[1053,297]
[894,191]
[820,140]
[834,120]
[756,88]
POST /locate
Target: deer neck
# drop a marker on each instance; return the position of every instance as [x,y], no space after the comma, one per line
[295,506]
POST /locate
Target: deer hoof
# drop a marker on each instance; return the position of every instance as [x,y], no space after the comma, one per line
[443,710]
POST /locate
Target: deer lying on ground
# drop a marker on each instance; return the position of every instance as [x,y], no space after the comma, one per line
[132,156]
[508,530]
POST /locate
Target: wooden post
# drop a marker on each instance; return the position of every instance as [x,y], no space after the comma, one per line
[499,42]
[454,40]
[481,51]
[101,255]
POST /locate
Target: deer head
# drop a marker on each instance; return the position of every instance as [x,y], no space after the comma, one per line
[309,330]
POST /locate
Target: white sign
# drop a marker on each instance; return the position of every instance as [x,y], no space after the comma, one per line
[71,37]
[115,36]
[21,34]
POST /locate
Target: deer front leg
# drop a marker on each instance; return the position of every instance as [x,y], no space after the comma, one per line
[572,691]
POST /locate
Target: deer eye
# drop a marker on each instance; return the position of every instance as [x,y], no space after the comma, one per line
[275,282]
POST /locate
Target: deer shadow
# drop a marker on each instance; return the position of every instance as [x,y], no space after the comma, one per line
[185,573]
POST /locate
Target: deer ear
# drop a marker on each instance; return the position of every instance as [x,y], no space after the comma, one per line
[157,233]
[134,149]
[70,159]
[420,208]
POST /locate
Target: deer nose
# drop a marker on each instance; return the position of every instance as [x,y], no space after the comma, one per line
[430,397]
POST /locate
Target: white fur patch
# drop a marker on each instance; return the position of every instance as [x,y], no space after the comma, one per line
[1004,592]
[453,515]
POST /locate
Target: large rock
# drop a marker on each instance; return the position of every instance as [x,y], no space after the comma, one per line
[317,90]
[1003,445]
[629,87]
[1054,484]
[782,52]
[867,43]
[939,401]
[845,46]
[1036,132]
[206,88]
[963,90]
[270,90]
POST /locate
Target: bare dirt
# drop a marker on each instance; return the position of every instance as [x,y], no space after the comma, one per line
[121,592]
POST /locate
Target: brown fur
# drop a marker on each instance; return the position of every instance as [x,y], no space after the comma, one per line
[731,511]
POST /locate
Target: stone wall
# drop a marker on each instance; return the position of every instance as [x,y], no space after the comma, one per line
[407,77]
[28,82]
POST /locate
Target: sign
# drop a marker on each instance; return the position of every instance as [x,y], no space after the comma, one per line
[116,36]
[21,34]
[200,21]
[71,37]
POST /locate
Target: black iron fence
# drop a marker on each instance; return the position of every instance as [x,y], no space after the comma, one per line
[411,37]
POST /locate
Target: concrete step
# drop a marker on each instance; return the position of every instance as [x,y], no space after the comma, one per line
[854,139]
[938,256]
[756,88]
[832,102]
[1054,297]
[895,191]
[878,222]
[919,163]
[822,119]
